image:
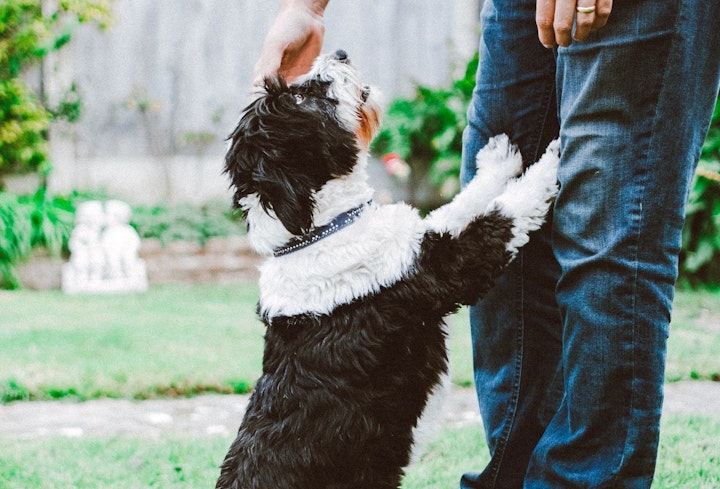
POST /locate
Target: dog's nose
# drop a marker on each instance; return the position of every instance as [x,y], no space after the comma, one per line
[341,55]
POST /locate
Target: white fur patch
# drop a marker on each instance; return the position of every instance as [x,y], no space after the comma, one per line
[265,231]
[377,250]
[346,87]
[527,199]
[497,163]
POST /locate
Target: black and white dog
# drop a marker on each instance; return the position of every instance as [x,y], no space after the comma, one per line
[354,293]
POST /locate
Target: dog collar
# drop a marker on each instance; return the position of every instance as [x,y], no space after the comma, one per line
[316,234]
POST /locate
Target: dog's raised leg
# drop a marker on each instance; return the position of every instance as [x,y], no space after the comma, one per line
[497,162]
[526,199]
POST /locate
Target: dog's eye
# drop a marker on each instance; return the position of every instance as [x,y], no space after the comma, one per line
[299,98]
[365,94]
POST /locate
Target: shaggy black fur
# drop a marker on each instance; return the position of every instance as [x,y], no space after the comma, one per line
[340,394]
[284,149]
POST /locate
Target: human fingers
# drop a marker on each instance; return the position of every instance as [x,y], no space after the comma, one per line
[584,19]
[555,20]
[299,57]
[268,64]
[544,18]
[563,21]
[590,17]
[291,45]
[603,8]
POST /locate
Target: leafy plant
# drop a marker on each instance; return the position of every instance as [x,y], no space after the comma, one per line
[15,238]
[51,218]
[29,30]
[700,258]
[31,221]
[23,122]
[187,222]
[426,131]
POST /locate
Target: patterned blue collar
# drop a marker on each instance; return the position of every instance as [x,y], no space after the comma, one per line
[316,234]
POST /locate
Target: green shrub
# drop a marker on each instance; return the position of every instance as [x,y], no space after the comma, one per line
[51,219]
[185,222]
[23,124]
[15,238]
[31,221]
[700,258]
[426,132]
[29,30]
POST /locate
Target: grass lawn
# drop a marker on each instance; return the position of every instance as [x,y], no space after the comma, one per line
[171,341]
[185,340]
[694,343]
[688,459]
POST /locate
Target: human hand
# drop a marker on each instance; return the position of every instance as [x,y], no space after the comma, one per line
[555,20]
[292,43]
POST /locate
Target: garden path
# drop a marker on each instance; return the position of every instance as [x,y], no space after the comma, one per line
[221,415]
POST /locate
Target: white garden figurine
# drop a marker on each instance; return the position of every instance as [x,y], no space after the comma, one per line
[104,251]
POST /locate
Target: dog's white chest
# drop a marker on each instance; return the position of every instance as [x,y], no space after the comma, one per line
[375,251]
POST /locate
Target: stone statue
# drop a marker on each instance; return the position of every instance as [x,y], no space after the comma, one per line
[104,251]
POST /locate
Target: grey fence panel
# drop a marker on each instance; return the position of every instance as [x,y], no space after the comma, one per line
[163,86]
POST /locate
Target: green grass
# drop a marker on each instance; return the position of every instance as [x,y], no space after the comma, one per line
[689,456]
[122,463]
[694,343]
[688,459]
[179,340]
[171,341]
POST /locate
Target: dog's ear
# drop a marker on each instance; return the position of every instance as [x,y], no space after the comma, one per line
[286,146]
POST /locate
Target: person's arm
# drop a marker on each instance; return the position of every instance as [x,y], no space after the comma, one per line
[555,20]
[294,39]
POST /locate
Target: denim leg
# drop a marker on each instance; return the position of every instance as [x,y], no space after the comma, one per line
[516,327]
[635,103]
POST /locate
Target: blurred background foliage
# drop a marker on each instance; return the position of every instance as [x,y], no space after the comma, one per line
[29,31]
[424,130]
[700,257]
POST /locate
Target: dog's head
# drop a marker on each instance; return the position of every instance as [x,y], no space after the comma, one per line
[294,138]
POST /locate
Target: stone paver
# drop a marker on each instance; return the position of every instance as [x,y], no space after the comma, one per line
[221,415]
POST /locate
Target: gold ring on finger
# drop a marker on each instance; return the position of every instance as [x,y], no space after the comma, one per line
[585,10]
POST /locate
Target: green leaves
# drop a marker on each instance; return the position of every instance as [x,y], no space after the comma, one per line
[29,30]
[15,237]
[700,258]
[186,222]
[31,221]
[426,131]
[23,125]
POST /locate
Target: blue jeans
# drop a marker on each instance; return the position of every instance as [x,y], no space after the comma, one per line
[569,346]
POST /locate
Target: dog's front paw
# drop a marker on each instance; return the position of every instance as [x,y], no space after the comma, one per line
[498,162]
[545,170]
[527,199]
[500,158]
[553,149]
